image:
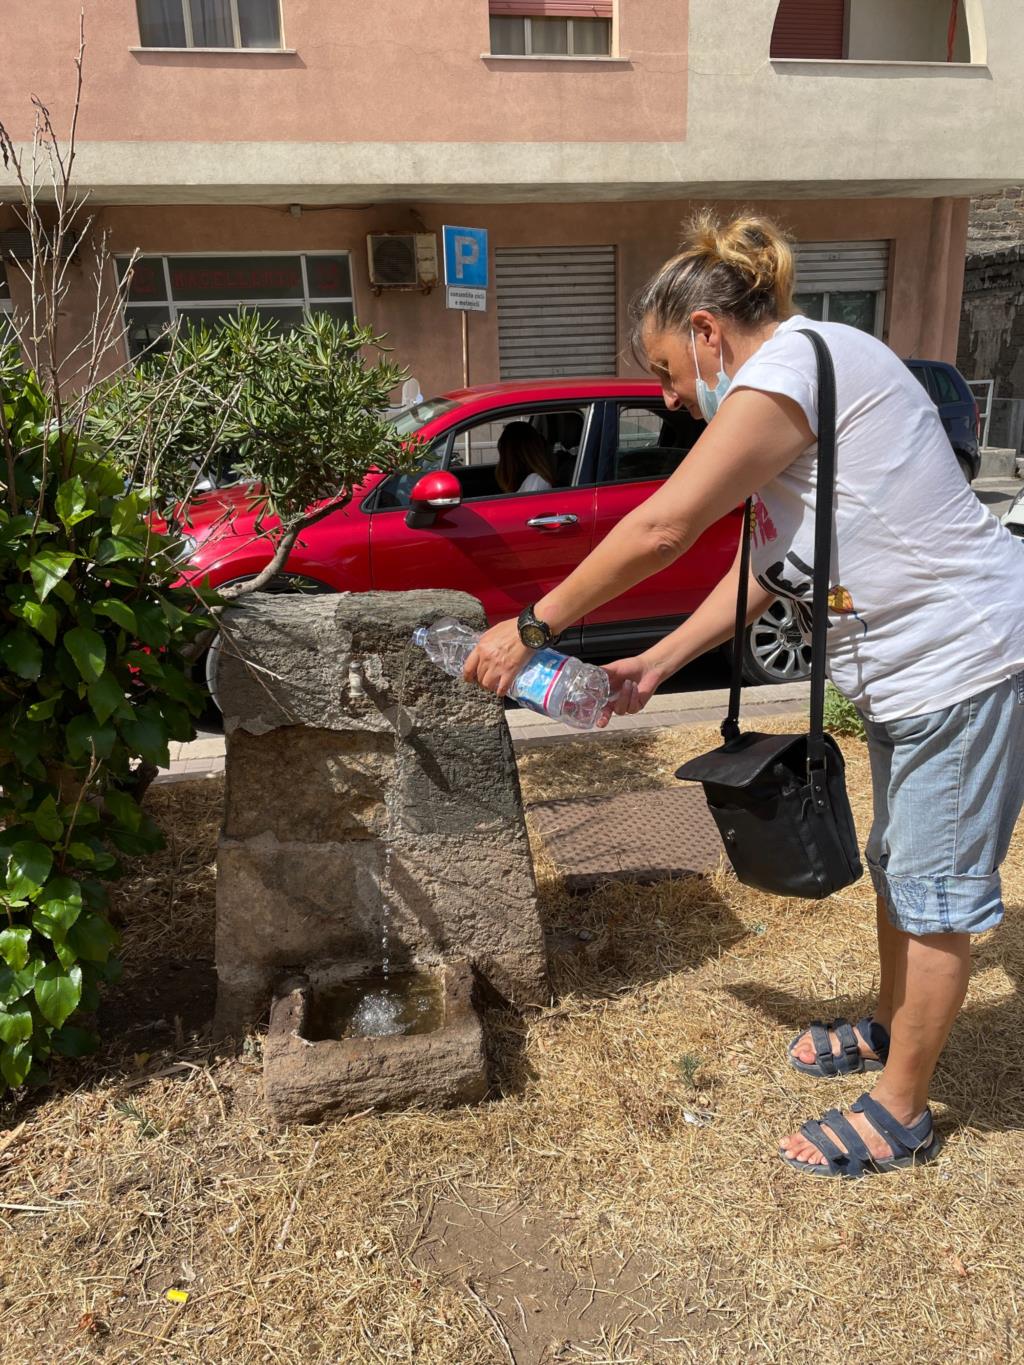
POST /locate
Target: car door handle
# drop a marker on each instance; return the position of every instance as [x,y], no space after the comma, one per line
[552,523]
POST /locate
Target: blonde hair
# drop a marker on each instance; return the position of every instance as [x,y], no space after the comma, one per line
[742,269]
[522,450]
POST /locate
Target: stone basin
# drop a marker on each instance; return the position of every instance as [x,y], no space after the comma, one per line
[307,1080]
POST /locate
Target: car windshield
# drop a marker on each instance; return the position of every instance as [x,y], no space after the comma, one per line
[410,419]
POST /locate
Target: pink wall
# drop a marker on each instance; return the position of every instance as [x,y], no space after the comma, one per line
[923,303]
[382,71]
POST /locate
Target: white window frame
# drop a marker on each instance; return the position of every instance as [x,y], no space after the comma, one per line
[236,32]
[176,306]
[556,56]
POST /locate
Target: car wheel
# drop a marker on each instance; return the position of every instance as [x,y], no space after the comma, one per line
[775,651]
[965,467]
[206,665]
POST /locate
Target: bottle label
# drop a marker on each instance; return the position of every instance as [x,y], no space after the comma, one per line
[536,683]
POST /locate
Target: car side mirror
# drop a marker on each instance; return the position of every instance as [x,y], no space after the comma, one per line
[431,495]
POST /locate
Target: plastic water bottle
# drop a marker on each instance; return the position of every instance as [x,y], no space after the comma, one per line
[554,684]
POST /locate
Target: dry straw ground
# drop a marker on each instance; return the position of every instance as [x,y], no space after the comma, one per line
[618,1200]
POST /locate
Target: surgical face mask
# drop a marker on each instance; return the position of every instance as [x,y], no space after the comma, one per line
[708,398]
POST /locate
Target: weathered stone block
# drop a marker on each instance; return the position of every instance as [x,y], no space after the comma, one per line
[360,778]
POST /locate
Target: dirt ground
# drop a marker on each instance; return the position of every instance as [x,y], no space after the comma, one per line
[618,1198]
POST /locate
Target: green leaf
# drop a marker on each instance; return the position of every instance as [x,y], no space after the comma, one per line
[48,567]
[62,890]
[29,868]
[71,1041]
[57,992]
[57,918]
[15,1026]
[70,502]
[14,945]
[147,737]
[93,938]
[88,650]
[16,984]
[22,653]
[123,808]
[120,547]
[84,734]
[118,612]
[42,618]
[105,696]
[15,1061]
[152,624]
[47,821]
[43,710]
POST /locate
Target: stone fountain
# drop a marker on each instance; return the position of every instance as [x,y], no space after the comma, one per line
[373,837]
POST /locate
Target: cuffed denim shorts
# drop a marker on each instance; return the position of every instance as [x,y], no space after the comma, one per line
[948,790]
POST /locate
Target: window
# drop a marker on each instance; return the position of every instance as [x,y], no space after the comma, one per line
[861,308]
[650,441]
[209,23]
[945,390]
[529,36]
[6,327]
[205,288]
[474,454]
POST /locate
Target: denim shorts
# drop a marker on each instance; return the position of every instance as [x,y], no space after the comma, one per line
[948,789]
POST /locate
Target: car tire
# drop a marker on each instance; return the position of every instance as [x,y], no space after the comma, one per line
[774,650]
[205,666]
[965,467]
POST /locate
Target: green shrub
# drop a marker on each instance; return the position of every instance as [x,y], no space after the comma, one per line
[841,716]
[93,681]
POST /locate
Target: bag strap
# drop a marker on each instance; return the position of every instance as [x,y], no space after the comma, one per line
[824,497]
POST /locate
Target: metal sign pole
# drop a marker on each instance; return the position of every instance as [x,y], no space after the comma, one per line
[465,349]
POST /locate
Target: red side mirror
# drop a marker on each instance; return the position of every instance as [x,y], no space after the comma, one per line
[438,489]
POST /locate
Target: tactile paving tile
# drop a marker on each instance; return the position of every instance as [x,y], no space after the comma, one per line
[639,836]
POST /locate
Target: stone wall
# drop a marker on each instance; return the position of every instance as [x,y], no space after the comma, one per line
[991,341]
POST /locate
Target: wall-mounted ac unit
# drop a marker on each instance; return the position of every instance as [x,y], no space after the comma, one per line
[402,260]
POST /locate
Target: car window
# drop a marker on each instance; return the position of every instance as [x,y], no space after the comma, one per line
[946,390]
[474,455]
[394,492]
[920,373]
[650,441]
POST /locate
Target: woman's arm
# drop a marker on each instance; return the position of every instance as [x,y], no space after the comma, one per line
[753,437]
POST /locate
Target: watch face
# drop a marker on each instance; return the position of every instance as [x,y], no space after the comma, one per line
[533,637]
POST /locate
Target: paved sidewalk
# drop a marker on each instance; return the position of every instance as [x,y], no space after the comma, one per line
[204,756]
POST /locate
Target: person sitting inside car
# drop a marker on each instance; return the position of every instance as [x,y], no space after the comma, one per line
[524,465]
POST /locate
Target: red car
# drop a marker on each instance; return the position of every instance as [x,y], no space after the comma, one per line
[611,442]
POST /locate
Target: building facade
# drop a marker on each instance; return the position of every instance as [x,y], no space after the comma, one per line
[287,154]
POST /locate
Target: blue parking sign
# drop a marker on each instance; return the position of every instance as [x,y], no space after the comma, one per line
[465,257]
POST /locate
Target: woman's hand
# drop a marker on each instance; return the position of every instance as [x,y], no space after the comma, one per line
[633,683]
[498,657]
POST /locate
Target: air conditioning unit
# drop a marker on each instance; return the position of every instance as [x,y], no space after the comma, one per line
[17,244]
[402,260]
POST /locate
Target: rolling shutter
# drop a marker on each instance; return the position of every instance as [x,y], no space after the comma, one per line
[823,267]
[554,9]
[810,29]
[556,311]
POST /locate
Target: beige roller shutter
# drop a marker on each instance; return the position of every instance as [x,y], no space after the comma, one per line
[556,311]
[828,266]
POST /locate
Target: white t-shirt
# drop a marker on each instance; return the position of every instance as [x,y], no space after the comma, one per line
[534,483]
[927,603]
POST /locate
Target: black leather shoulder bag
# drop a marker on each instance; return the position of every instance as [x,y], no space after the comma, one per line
[780,801]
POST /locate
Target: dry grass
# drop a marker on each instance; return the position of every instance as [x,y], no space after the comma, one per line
[662,1239]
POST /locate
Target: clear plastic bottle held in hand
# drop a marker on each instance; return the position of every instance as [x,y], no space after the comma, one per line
[554,684]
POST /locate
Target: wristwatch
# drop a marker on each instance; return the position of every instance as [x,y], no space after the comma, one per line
[534,633]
